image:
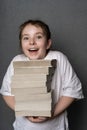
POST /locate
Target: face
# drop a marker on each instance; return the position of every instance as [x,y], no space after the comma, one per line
[34,42]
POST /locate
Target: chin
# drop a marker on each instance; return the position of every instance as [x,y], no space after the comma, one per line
[33,58]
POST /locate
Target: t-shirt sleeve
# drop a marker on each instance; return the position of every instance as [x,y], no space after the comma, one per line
[71,85]
[6,84]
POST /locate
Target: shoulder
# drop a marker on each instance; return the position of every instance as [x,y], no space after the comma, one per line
[57,55]
[62,60]
[20,57]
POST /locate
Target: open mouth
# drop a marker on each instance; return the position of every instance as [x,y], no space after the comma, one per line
[33,49]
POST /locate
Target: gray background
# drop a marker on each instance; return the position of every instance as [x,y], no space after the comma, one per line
[67,20]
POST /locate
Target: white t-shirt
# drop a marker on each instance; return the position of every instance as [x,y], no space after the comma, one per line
[65,83]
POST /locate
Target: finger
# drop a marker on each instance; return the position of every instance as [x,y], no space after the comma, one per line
[42,118]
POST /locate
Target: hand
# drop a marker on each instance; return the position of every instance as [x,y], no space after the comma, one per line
[36,119]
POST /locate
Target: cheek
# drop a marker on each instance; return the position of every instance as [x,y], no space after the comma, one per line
[43,50]
[43,45]
[24,45]
[23,48]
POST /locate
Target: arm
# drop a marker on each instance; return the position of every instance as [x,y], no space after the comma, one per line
[6,87]
[63,103]
[10,100]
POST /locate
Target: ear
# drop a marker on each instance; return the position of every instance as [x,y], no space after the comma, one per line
[49,44]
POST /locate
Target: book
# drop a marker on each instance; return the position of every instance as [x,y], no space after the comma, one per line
[31,85]
[27,91]
[31,80]
[34,70]
[46,113]
[32,96]
[33,105]
[29,77]
[35,63]
[26,84]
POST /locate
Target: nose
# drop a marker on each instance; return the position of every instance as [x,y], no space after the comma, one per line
[32,41]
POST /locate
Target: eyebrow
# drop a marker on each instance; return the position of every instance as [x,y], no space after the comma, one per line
[35,33]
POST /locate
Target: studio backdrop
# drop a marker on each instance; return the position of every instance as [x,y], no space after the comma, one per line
[67,20]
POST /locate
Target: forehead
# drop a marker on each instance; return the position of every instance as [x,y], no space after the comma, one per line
[32,28]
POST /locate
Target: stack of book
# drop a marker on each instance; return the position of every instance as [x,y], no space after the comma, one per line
[31,85]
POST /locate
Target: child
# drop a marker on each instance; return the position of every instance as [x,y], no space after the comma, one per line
[35,42]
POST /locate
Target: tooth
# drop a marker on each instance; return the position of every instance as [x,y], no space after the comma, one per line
[32,49]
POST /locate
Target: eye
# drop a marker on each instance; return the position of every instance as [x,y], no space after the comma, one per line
[39,36]
[25,38]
